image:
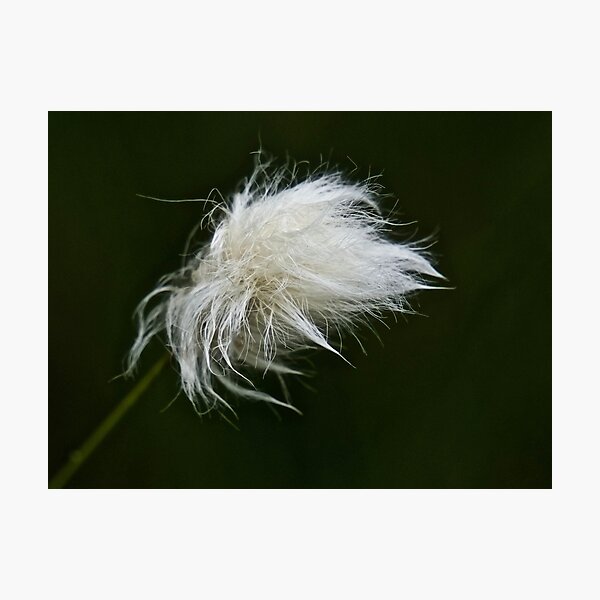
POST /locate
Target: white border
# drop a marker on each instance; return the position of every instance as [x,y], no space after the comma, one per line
[286,544]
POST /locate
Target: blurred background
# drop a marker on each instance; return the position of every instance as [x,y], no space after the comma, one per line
[459,397]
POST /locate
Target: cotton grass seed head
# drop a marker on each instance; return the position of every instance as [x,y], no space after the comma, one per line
[294,262]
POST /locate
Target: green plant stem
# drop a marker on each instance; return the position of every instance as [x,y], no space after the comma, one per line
[79,456]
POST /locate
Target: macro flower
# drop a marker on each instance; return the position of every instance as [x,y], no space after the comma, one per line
[294,262]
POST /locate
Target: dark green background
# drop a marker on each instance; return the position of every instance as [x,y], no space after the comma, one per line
[460,397]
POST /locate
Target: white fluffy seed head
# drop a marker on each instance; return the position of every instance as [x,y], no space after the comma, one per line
[292,264]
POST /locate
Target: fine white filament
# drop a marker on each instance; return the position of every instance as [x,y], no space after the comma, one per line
[293,262]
